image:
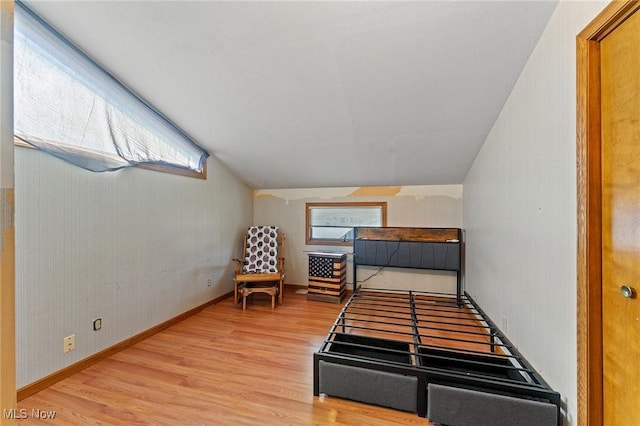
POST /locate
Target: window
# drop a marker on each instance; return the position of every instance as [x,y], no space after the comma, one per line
[333,223]
[69,106]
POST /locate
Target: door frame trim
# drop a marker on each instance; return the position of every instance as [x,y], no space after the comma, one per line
[589,214]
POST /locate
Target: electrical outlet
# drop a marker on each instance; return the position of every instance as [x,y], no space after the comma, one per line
[69,343]
[209,282]
[97,324]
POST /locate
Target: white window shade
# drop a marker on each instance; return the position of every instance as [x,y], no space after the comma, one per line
[69,106]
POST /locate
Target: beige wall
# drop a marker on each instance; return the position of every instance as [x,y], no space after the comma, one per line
[520,208]
[134,247]
[422,206]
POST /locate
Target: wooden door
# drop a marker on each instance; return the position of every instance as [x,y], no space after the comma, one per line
[620,162]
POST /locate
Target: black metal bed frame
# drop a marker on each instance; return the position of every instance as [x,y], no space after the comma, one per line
[443,339]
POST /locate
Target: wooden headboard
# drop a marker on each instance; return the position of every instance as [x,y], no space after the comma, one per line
[434,235]
[417,248]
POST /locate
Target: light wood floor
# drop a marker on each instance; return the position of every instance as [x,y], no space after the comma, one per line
[222,366]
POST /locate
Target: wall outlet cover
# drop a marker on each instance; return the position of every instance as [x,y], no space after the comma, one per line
[69,343]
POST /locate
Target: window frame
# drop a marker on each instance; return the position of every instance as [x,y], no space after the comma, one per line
[163,168]
[334,241]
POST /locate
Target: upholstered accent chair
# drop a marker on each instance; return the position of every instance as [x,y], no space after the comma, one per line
[261,270]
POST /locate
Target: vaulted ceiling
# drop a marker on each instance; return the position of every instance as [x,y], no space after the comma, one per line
[297,94]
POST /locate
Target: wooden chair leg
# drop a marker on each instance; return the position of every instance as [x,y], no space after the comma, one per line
[244,300]
[280,291]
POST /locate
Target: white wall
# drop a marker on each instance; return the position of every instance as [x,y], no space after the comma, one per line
[520,208]
[420,206]
[134,247]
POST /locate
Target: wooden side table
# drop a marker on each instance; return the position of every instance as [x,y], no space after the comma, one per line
[327,276]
